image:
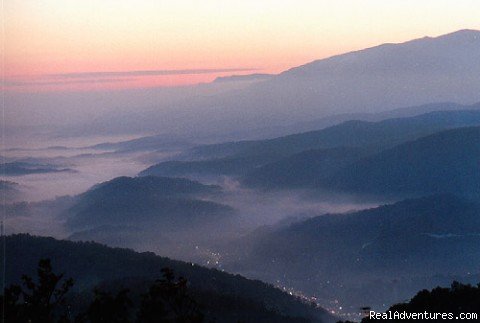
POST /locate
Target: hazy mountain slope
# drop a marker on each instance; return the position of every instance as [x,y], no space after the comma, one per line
[170,202]
[412,111]
[314,168]
[7,185]
[148,143]
[410,73]
[383,236]
[17,168]
[10,190]
[352,133]
[381,78]
[443,162]
[277,160]
[91,264]
[215,166]
[353,252]
[244,78]
[306,169]
[404,112]
[139,186]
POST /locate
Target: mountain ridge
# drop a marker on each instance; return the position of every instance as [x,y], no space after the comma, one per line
[443,162]
[376,79]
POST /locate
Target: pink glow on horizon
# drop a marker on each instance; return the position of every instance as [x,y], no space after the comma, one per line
[58,36]
[28,84]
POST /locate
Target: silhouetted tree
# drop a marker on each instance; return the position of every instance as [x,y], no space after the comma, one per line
[108,308]
[43,301]
[9,303]
[168,301]
[37,302]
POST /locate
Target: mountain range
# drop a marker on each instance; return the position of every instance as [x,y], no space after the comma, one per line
[420,163]
[371,80]
[447,161]
[305,159]
[371,256]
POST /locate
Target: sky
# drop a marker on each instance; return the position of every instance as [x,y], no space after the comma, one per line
[88,45]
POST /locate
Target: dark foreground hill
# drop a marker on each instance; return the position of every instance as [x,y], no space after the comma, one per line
[225,297]
[457,302]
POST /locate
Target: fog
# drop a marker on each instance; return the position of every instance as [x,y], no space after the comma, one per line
[257,208]
[50,143]
[42,206]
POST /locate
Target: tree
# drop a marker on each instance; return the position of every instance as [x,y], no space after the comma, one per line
[9,303]
[107,308]
[39,302]
[168,301]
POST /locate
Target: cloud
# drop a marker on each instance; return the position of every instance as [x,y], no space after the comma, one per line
[62,82]
[147,73]
[109,76]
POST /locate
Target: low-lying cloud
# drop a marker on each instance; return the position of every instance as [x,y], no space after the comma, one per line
[149,72]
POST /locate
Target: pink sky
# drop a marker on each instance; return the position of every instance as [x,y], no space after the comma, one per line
[188,42]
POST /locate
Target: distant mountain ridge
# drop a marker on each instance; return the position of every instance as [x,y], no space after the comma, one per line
[353,133]
[372,80]
[254,159]
[18,168]
[443,162]
[456,41]
[381,78]
[307,169]
[330,168]
[168,202]
[248,77]
[149,185]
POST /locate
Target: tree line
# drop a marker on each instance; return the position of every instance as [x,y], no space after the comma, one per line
[45,301]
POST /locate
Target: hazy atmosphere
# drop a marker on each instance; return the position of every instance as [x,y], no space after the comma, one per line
[247,161]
